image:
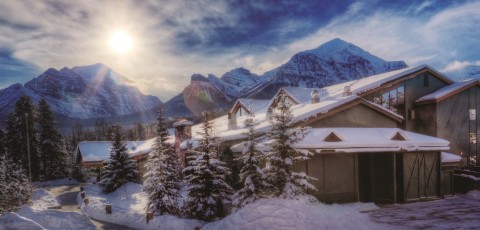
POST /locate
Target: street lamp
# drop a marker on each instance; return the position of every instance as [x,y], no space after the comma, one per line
[28,150]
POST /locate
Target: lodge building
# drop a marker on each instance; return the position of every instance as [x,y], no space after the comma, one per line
[392,137]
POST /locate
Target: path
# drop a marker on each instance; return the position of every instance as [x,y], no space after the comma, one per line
[67,196]
[457,212]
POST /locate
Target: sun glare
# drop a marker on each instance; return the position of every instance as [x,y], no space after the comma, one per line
[121,42]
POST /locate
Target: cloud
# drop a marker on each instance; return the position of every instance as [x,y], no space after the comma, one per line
[174,39]
[458,65]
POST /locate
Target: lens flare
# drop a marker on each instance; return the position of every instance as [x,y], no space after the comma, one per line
[121,42]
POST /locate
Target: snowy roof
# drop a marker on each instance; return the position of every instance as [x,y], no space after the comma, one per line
[364,140]
[100,150]
[182,122]
[257,105]
[441,93]
[332,98]
[148,145]
[450,157]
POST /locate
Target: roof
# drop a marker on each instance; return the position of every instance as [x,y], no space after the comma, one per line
[100,150]
[363,140]
[448,91]
[331,99]
[450,157]
[257,105]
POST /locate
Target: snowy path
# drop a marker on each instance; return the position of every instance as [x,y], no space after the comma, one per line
[67,196]
[458,212]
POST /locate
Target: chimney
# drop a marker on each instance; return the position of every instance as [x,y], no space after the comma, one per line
[347,91]
[315,96]
[232,121]
[269,113]
[183,131]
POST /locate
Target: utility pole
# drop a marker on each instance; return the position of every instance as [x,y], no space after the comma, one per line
[28,150]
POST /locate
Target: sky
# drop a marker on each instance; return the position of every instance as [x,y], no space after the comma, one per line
[165,42]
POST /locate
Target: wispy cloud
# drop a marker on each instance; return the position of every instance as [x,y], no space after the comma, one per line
[174,39]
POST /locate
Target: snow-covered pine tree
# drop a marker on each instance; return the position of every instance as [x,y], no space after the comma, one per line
[162,179]
[51,144]
[251,174]
[205,178]
[15,189]
[119,168]
[282,156]
[16,138]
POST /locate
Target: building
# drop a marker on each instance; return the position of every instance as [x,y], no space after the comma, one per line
[389,102]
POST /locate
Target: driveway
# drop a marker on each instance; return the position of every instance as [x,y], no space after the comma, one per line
[67,196]
[457,212]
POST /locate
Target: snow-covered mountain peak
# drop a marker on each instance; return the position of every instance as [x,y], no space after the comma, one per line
[198,77]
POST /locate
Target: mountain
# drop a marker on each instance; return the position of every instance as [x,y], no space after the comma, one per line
[465,73]
[81,92]
[333,62]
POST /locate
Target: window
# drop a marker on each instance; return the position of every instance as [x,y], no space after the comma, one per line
[393,99]
[240,112]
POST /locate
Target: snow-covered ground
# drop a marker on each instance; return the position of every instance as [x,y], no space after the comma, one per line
[304,213]
[38,216]
[128,209]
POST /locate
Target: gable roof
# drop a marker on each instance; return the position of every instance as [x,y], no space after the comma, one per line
[257,105]
[363,140]
[333,98]
[448,91]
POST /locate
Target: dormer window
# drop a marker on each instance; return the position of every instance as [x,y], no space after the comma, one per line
[240,112]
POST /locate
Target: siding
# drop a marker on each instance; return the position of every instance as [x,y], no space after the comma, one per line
[453,121]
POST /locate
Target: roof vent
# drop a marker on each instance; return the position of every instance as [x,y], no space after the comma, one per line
[398,137]
[347,91]
[315,96]
[332,137]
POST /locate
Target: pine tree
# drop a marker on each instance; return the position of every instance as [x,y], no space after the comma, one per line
[251,174]
[205,178]
[119,168]
[162,183]
[24,112]
[15,189]
[282,156]
[51,144]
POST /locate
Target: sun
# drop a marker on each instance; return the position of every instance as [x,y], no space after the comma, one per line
[121,42]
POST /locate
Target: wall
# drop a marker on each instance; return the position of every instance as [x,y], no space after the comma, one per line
[453,121]
[356,116]
[415,89]
[426,119]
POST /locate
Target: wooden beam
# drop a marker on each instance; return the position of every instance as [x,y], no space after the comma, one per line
[394,178]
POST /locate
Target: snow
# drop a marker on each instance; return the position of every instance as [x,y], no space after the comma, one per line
[474,194]
[302,213]
[148,146]
[447,90]
[471,177]
[100,150]
[38,216]
[450,157]
[128,209]
[257,105]
[363,140]
[9,221]
[57,182]
[182,123]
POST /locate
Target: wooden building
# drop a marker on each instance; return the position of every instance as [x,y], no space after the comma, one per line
[385,165]
[385,101]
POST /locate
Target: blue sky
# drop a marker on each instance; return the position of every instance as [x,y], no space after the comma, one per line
[173,39]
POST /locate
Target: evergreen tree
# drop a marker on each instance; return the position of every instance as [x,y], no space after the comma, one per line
[24,112]
[162,183]
[51,144]
[205,178]
[119,168]
[282,156]
[15,189]
[251,174]
[140,132]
